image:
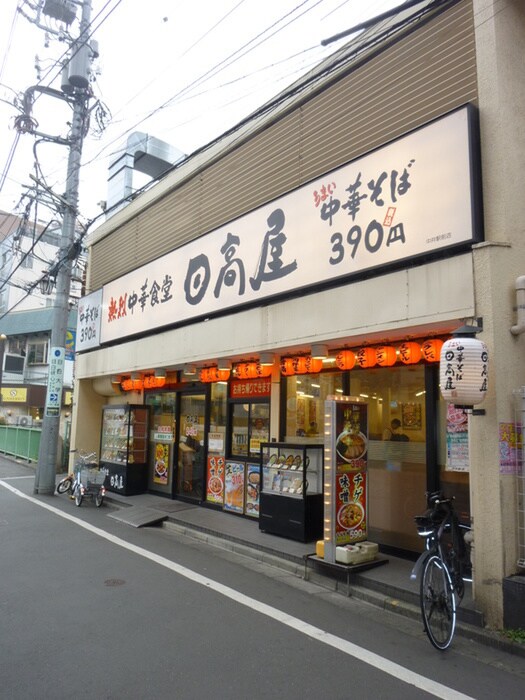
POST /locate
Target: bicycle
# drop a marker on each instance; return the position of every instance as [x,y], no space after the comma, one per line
[85,481]
[444,567]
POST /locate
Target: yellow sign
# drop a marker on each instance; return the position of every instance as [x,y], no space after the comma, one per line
[12,395]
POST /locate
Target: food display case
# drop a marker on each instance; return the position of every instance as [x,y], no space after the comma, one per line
[124,448]
[291,498]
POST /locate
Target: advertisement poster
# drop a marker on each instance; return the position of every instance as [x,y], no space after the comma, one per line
[253,489]
[234,487]
[457,440]
[510,449]
[351,495]
[351,447]
[162,462]
[215,480]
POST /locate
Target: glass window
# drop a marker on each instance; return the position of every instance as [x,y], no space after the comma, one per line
[397,472]
[218,411]
[305,397]
[250,427]
[37,353]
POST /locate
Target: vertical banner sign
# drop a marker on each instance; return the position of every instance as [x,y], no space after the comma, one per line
[55,382]
[346,455]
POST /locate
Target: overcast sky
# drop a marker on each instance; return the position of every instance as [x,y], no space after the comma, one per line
[183,72]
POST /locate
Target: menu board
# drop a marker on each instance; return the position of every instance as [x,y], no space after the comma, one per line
[253,490]
[234,487]
[215,480]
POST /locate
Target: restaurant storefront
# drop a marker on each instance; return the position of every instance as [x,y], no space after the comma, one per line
[349,216]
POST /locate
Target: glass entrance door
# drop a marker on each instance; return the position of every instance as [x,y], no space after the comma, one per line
[190,449]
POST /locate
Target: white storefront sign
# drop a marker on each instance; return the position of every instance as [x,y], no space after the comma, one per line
[408,199]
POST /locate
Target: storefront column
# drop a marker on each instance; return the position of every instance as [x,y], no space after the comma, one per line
[497,263]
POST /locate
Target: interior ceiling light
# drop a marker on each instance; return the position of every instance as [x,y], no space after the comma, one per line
[224,363]
[190,370]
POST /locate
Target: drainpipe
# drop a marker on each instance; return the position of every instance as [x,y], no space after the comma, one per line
[519,328]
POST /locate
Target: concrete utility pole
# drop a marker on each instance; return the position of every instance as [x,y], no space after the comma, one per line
[80,94]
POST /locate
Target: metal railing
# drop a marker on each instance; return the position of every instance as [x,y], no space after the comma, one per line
[20,441]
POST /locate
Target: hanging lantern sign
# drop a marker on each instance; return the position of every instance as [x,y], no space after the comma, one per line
[345,359]
[431,349]
[366,357]
[313,364]
[463,371]
[287,369]
[409,353]
[386,355]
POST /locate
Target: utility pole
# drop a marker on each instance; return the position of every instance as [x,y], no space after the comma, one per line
[79,96]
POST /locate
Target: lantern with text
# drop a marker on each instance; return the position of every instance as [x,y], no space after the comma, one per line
[409,353]
[127,384]
[287,369]
[463,371]
[152,382]
[313,365]
[431,349]
[345,359]
[299,365]
[386,355]
[366,357]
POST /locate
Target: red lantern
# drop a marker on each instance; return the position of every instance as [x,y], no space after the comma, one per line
[366,357]
[127,384]
[299,365]
[431,349]
[205,375]
[287,369]
[263,370]
[220,375]
[138,384]
[313,365]
[345,359]
[386,355]
[409,353]
[251,372]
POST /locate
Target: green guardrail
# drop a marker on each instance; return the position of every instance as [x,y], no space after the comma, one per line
[20,442]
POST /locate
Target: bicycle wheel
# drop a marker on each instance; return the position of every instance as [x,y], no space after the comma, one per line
[78,495]
[65,485]
[438,604]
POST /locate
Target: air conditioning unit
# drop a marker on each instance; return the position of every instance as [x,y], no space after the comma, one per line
[24,421]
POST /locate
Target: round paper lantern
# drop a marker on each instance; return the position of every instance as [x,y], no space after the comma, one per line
[345,359]
[287,369]
[240,371]
[263,370]
[127,384]
[252,370]
[313,365]
[366,357]
[431,349]
[386,355]
[463,371]
[205,375]
[299,365]
[409,353]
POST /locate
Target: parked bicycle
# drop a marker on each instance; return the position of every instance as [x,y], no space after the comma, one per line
[444,567]
[86,481]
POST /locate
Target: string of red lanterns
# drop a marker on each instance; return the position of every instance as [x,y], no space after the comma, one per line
[408,353]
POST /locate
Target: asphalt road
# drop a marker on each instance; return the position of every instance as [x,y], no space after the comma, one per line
[94,608]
